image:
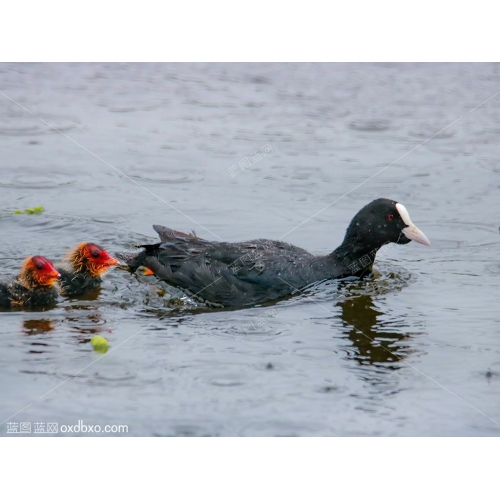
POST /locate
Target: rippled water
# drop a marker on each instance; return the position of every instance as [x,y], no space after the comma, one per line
[413,351]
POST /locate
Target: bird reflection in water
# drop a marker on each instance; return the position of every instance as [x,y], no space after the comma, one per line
[374,342]
[35,326]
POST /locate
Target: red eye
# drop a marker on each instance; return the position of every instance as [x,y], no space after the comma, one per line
[390,217]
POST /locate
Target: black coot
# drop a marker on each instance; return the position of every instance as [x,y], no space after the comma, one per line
[251,272]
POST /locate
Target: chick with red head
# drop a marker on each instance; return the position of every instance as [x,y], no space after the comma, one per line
[87,263]
[35,285]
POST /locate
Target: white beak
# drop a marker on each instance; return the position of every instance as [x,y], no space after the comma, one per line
[412,232]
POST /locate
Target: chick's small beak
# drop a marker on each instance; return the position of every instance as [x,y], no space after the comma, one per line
[54,274]
[412,232]
[112,261]
[147,272]
[108,260]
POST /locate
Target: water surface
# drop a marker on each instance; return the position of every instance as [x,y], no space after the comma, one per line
[110,149]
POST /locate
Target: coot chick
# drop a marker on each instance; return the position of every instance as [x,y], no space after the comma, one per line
[248,273]
[33,287]
[87,263]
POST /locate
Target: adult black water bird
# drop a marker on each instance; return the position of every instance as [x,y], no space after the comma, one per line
[256,271]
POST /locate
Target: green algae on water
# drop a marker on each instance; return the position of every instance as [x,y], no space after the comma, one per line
[99,343]
[30,211]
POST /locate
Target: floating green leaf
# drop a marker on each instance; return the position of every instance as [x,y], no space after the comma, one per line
[30,211]
[99,343]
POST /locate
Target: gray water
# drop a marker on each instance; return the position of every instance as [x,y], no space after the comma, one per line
[110,149]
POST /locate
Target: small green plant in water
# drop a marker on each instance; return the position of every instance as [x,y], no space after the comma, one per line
[100,344]
[30,211]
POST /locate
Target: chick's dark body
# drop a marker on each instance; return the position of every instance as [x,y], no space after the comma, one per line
[14,293]
[74,283]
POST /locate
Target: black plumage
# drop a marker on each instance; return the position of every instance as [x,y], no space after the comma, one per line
[75,284]
[256,271]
